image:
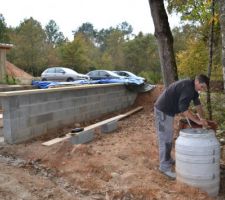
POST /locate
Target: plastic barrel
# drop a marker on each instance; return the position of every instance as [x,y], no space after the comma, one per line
[197,154]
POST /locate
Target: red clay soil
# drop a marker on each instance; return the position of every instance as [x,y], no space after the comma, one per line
[121,165]
[14,71]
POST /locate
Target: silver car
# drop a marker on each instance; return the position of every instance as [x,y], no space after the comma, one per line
[61,74]
[128,74]
[103,74]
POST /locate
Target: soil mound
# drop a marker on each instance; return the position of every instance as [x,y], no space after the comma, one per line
[12,70]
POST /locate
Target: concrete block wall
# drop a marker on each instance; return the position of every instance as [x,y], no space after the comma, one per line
[31,113]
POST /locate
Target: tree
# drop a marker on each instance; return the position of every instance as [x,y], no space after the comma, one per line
[181,35]
[211,40]
[194,11]
[193,60]
[114,47]
[202,15]
[165,41]
[126,29]
[222,24]
[53,35]
[29,52]
[141,54]
[87,29]
[77,54]
[3,30]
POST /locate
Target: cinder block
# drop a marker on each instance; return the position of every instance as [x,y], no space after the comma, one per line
[82,137]
[1,132]
[109,127]
[1,120]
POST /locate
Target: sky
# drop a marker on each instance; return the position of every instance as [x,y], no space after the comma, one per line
[71,14]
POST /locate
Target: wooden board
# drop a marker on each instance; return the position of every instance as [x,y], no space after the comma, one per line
[116,118]
[56,140]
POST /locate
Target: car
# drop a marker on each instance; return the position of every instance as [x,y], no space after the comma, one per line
[61,74]
[128,74]
[103,74]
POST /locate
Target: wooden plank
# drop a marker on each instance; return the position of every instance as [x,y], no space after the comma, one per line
[56,140]
[116,118]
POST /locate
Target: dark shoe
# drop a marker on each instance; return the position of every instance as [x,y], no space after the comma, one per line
[169,173]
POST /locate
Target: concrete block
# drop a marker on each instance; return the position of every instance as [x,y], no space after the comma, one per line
[40,119]
[109,127]
[1,132]
[82,137]
[32,114]
[1,120]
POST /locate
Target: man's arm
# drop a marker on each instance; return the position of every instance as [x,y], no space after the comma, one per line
[200,111]
[198,120]
[192,117]
[201,115]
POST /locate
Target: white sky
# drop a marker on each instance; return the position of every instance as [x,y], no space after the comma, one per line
[70,14]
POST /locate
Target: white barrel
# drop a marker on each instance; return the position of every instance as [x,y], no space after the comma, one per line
[197,154]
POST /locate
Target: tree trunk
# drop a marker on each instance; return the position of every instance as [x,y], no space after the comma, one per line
[165,41]
[222,25]
[211,40]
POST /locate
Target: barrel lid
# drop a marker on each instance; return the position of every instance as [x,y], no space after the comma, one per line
[197,132]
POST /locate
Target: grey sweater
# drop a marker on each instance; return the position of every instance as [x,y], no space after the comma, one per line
[176,97]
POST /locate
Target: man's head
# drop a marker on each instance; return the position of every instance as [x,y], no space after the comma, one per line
[201,82]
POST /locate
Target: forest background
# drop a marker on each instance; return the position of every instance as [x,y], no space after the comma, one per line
[117,48]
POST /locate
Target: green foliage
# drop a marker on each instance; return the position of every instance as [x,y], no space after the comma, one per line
[106,62]
[181,35]
[4,38]
[195,11]
[114,47]
[193,60]
[218,107]
[88,30]
[53,35]
[29,52]
[10,80]
[151,77]
[75,54]
[141,54]
[125,28]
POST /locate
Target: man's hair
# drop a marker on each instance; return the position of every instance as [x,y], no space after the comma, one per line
[203,79]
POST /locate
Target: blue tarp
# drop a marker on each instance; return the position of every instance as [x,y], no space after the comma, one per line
[132,84]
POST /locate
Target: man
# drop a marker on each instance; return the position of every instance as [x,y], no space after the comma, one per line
[176,99]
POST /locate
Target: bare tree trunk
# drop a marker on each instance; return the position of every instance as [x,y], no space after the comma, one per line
[222,25]
[165,41]
[211,40]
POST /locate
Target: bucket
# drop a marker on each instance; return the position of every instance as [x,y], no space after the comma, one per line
[197,154]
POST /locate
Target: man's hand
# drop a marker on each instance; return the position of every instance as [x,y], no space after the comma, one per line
[196,118]
[200,115]
[203,122]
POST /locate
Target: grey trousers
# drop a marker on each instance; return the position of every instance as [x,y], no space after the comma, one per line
[164,129]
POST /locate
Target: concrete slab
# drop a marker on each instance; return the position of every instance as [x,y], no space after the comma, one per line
[82,137]
[109,127]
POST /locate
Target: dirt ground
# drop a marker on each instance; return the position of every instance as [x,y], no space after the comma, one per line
[121,165]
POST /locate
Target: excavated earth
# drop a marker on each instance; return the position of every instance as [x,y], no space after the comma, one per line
[121,165]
